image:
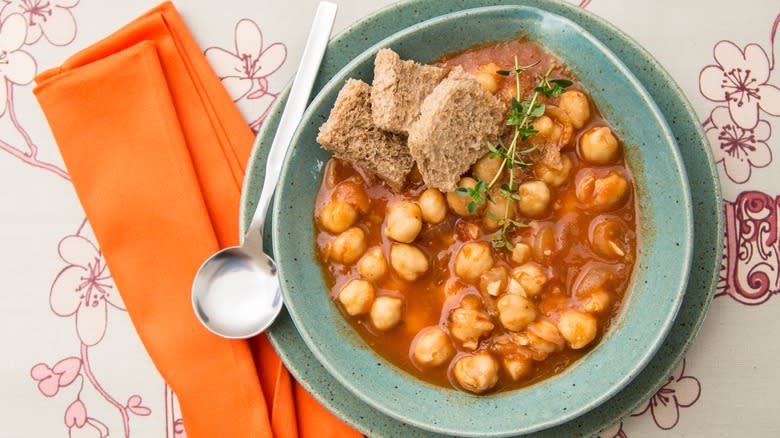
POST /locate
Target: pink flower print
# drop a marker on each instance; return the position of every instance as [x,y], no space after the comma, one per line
[76,414]
[50,380]
[245,71]
[615,431]
[84,289]
[738,149]
[750,267]
[178,429]
[48,18]
[741,79]
[82,426]
[257,105]
[16,66]
[134,405]
[680,391]
[249,65]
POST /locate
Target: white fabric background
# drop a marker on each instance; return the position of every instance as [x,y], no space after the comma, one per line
[729,387]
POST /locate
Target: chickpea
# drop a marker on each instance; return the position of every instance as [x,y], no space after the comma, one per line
[386,312]
[513,287]
[357,296]
[486,167]
[431,347]
[487,77]
[539,348]
[507,94]
[517,366]
[472,260]
[597,301]
[496,209]
[547,331]
[476,373]
[602,194]
[353,194]
[516,356]
[599,146]
[509,344]
[494,281]
[605,238]
[408,261]
[576,105]
[515,312]
[468,323]
[489,81]
[554,177]
[404,222]
[348,246]
[557,133]
[372,266]
[534,198]
[433,206]
[545,126]
[459,203]
[337,216]
[562,129]
[578,328]
[521,340]
[531,278]
[544,338]
[521,253]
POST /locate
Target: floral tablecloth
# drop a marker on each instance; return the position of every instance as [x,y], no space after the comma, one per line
[71,361]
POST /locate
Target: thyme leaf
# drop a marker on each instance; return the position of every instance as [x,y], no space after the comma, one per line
[479,195]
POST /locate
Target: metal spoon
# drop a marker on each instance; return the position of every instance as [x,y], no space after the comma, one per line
[236,293]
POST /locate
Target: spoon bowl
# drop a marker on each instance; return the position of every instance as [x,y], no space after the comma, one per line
[240,293]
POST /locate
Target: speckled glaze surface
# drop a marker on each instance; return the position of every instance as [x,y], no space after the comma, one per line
[706,203]
[648,310]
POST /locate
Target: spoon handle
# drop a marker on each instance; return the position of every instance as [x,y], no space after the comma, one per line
[291,116]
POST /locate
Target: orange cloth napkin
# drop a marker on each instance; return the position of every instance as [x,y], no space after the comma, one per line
[156,150]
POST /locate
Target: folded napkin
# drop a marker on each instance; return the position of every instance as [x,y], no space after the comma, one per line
[156,150]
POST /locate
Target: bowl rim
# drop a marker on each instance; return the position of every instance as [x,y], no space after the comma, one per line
[688,246]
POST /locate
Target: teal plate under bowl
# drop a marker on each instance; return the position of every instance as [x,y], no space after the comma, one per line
[695,152]
[662,261]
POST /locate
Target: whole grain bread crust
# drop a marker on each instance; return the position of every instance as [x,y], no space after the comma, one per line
[456,122]
[399,89]
[351,135]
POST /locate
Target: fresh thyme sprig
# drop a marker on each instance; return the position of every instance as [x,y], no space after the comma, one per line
[521,116]
[552,87]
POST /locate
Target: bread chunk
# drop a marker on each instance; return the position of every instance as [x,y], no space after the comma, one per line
[351,135]
[399,89]
[456,122]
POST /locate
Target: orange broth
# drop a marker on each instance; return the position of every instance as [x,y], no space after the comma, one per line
[559,241]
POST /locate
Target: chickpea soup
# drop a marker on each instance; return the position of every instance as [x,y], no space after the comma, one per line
[478,249]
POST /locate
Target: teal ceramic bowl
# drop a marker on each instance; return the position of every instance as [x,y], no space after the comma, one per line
[657,286]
